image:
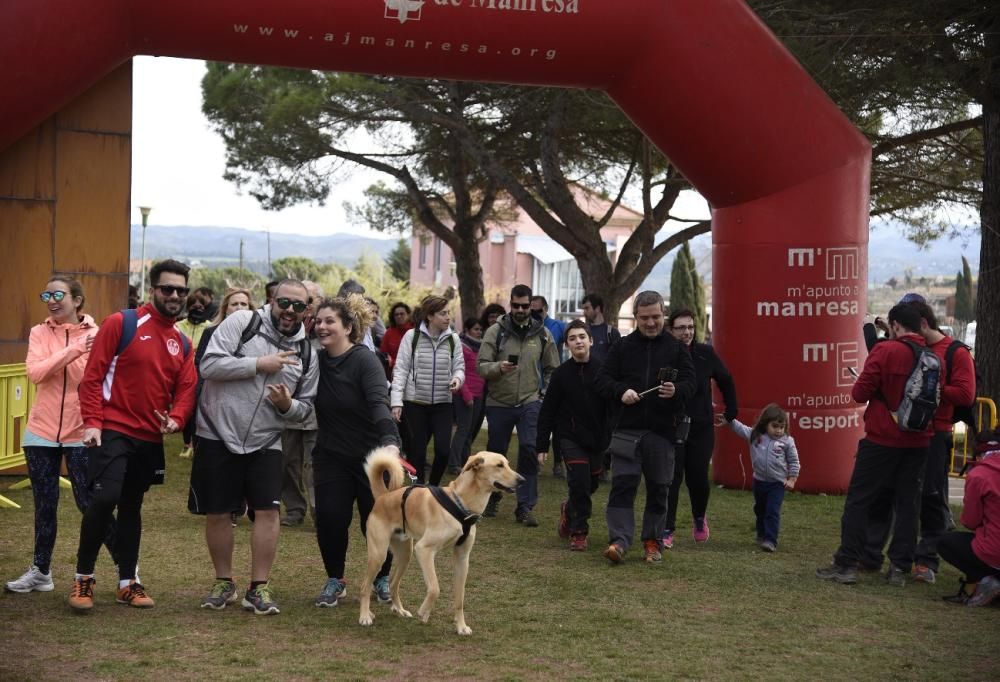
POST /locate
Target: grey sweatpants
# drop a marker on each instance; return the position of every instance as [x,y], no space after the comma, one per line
[654,460]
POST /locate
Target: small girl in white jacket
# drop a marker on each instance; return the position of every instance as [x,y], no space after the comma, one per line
[775,468]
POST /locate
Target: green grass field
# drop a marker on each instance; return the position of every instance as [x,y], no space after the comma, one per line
[722,610]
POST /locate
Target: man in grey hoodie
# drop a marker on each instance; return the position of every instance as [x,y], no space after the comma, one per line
[260,375]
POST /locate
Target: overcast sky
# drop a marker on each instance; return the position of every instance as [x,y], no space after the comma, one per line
[178,162]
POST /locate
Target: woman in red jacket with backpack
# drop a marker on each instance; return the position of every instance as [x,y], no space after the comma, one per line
[57,355]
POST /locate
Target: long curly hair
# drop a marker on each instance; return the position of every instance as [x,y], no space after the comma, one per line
[353,311]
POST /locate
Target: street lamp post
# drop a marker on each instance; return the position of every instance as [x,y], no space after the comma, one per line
[144,210]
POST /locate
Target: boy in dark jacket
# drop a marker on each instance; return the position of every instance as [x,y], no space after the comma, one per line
[573,409]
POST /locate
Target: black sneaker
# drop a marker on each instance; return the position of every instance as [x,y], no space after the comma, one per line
[526,517]
[261,601]
[845,575]
[896,576]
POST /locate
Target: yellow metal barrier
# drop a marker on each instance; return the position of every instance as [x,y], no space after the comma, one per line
[962,449]
[16,396]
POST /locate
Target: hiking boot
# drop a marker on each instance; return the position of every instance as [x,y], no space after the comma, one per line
[334,590]
[526,517]
[700,530]
[135,595]
[924,574]
[32,581]
[381,589]
[668,539]
[614,553]
[987,590]
[845,575]
[260,600]
[290,520]
[768,546]
[578,542]
[653,554]
[223,592]
[896,576]
[558,471]
[81,598]
[492,506]
[563,521]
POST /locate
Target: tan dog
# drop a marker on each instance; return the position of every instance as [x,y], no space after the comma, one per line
[429,527]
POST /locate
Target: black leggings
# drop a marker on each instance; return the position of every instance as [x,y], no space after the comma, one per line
[691,463]
[423,422]
[343,482]
[956,549]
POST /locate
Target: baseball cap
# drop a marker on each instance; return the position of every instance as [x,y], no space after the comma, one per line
[912,297]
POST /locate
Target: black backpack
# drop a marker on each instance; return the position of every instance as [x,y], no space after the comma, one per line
[253,327]
[963,413]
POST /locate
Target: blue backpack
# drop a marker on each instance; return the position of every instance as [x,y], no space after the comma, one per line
[130,323]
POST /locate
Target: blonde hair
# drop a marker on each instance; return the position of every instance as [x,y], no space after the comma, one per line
[351,310]
[221,314]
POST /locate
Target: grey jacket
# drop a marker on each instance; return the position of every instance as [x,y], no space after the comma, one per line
[424,377]
[773,460]
[234,407]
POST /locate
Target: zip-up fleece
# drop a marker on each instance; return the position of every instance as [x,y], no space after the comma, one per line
[56,362]
[573,409]
[634,363]
[773,460]
[981,508]
[123,394]
[522,385]
[886,370]
[234,398]
[423,377]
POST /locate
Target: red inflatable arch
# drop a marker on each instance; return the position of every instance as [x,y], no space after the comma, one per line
[785,172]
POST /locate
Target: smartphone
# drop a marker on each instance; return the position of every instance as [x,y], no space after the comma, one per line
[512,359]
[666,374]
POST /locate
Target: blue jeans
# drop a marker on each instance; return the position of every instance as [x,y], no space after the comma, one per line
[767,499]
[502,421]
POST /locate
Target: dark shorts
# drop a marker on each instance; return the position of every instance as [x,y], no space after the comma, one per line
[120,454]
[222,481]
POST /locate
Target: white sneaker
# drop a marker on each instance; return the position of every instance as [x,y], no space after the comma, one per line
[32,580]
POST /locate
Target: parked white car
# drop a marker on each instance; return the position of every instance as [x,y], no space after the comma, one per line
[970,335]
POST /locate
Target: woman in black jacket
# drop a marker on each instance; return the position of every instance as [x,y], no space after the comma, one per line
[693,458]
[352,410]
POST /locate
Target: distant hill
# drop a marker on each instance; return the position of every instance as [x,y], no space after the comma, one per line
[218,246]
[890,254]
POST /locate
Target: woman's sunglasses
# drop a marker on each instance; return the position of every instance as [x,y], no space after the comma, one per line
[286,303]
[56,296]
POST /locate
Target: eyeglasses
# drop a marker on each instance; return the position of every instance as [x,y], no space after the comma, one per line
[684,328]
[519,306]
[56,296]
[286,303]
[169,290]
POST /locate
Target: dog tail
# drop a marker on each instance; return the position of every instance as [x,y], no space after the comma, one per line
[382,461]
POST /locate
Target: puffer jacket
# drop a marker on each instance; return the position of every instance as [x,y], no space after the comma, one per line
[57,357]
[234,406]
[423,376]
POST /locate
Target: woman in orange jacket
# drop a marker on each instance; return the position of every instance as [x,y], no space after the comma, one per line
[57,355]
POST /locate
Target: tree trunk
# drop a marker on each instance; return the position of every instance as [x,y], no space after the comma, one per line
[598,278]
[988,297]
[468,271]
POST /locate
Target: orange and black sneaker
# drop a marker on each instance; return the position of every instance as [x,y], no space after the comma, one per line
[82,596]
[614,553]
[135,595]
[653,554]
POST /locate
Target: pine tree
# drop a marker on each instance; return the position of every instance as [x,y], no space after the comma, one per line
[687,290]
[964,307]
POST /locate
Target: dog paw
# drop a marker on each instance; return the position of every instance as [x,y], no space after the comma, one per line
[424,617]
[464,630]
[366,620]
[402,612]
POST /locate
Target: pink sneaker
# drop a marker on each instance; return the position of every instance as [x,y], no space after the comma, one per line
[700,530]
[668,539]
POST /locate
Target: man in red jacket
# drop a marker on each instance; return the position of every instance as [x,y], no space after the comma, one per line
[128,400]
[887,456]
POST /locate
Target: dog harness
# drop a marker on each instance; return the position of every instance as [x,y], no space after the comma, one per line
[452,505]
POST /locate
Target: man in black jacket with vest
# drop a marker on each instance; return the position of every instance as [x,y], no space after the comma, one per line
[652,376]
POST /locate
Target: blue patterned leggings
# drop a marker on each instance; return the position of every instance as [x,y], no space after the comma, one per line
[43,470]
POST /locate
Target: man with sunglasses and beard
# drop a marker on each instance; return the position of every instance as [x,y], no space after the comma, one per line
[260,376]
[138,385]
